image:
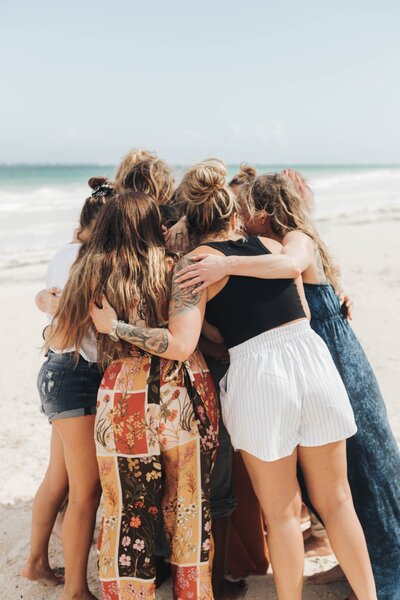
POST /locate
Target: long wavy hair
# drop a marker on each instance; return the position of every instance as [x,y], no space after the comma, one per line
[125,260]
[277,195]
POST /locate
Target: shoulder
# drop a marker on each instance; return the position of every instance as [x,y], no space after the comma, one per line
[272,245]
[203,250]
[299,237]
[66,252]
[62,261]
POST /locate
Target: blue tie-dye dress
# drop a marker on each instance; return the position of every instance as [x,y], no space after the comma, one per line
[373,455]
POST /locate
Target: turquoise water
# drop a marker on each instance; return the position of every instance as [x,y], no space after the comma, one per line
[44,175]
[40,204]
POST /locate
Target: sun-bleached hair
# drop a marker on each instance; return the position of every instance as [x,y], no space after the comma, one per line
[277,195]
[143,171]
[246,173]
[124,259]
[208,203]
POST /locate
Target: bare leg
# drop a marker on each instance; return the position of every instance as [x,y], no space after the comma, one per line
[325,473]
[275,484]
[84,495]
[46,504]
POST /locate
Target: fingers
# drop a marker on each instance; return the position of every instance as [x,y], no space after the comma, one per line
[191,282]
[194,272]
[201,288]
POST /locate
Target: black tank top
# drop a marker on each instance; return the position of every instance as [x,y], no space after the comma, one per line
[248,306]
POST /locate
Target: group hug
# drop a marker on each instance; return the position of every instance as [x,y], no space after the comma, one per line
[205,388]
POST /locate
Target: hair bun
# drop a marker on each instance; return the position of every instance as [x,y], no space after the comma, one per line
[204,179]
[95,182]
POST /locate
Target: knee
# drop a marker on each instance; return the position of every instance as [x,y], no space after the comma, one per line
[85,499]
[328,502]
[279,514]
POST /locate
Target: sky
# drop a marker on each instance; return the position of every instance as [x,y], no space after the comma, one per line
[267,82]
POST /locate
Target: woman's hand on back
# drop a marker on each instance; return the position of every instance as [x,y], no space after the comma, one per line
[206,270]
[103,317]
[48,300]
[346,304]
[177,237]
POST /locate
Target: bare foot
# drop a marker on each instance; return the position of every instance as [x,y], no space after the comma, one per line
[41,574]
[317,546]
[84,596]
[333,575]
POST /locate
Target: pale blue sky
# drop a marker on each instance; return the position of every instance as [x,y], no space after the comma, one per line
[268,82]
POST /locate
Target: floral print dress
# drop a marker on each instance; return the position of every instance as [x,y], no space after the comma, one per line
[156,435]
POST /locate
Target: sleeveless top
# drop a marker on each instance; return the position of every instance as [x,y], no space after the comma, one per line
[248,306]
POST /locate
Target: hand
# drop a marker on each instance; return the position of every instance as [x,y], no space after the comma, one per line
[103,317]
[177,237]
[346,304]
[48,300]
[208,269]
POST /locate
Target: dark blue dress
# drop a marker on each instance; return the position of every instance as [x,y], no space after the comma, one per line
[373,455]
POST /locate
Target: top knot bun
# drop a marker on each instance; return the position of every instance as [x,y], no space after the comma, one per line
[205,179]
[246,174]
[247,171]
[95,182]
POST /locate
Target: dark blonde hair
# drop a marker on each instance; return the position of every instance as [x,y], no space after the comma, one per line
[246,173]
[143,171]
[277,195]
[125,260]
[208,202]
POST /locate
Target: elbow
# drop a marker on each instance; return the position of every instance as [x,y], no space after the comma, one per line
[295,270]
[184,351]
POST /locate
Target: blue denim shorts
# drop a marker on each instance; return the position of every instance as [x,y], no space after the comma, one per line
[65,385]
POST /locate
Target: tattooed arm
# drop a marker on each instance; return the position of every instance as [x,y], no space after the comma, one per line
[178,341]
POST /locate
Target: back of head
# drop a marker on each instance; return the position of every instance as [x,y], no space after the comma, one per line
[280,197]
[143,171]
[102,192]
[123,259]
[246,173]
[208,203]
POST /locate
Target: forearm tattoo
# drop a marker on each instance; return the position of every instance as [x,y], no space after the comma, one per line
[154,341]
[182,299]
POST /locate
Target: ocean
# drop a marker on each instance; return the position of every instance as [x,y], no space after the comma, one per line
[40,204]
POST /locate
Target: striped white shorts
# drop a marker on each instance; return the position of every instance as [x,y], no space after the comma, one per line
[282,390]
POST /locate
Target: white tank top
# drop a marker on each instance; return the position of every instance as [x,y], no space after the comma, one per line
[57,276]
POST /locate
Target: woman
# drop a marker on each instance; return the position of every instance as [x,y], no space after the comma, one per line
[68,391]
[144,172]
[280,209]
[156,424]
[270,343]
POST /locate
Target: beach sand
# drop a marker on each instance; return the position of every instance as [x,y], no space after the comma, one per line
[368,252]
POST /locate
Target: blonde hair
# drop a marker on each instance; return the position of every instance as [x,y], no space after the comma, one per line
[143,171]
[124,259]
[208,202]
[246,173]
[278,196]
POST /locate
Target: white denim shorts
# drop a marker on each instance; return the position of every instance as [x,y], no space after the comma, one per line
[282,390]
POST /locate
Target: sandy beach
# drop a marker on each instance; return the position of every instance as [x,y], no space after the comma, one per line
[368,251]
